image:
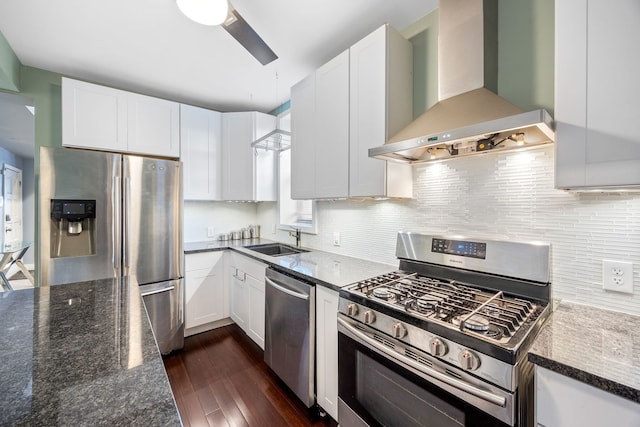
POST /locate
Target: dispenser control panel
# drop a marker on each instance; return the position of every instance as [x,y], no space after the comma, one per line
[73,210]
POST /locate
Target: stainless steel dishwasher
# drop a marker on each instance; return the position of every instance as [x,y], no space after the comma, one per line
[289,347]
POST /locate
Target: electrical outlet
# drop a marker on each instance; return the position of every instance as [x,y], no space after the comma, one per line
[617,276]
[211,232]
[336,238]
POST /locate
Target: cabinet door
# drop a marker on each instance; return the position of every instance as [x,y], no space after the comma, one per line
[597,89]
[380,105]
[200,148]
[93,116]
[153,126]
[563,401]
[205,293]
[332,128]
[303,142]
[237,154]
[238,309]
[327,349]
[256,302]
[266,170]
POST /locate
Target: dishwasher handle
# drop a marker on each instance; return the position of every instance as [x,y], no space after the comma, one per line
[285,290]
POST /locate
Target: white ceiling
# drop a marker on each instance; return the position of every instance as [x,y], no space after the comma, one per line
[148,46]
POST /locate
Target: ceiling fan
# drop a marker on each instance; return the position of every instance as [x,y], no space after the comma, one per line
[222,12]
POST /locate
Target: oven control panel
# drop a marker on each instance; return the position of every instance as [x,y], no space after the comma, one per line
[459,247]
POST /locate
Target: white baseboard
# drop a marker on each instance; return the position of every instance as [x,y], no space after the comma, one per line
[207,327]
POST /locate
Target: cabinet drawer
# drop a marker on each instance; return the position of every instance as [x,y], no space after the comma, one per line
[248,265]
[202,261]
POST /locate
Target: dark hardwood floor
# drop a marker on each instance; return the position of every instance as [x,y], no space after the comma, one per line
[220,379]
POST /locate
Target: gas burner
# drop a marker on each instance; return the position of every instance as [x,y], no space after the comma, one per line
[423,304]
[492,310]
[476,323]
[494,332]
[404,285]
[382,292]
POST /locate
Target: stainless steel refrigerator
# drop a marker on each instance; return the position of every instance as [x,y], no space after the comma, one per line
[105,215]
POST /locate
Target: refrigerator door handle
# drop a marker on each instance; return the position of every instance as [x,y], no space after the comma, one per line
[157,291]
[115,230]
[127,218]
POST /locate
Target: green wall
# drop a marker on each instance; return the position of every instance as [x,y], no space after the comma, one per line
[423,35]
[525,55]
[9,67]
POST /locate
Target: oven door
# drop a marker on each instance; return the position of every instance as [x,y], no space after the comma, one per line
[379,386]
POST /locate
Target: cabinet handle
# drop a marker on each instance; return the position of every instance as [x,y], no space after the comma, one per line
[237,276]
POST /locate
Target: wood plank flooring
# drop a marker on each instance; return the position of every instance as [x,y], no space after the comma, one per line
[220,379]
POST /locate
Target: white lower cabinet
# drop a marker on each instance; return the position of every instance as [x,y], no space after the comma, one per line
[327,350]
[255,329]
[206,296]
[564,402]
[237,285]
[247,295]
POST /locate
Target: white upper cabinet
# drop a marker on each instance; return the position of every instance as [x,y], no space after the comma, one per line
[596,93]
[201,146]
[103,118]
[354,102]
[303,146]
[153,126]
[381,104]
[93,116]
[320,123]
[248,174]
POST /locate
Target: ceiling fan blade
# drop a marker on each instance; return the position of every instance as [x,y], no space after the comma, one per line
[247,37]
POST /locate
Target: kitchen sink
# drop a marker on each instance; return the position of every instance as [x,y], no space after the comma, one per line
[275,249]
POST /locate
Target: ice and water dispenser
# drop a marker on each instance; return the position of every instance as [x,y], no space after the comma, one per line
[73,228]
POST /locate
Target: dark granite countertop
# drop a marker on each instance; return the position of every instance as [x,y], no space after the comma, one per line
[323,268]
[81,354]
[598,347]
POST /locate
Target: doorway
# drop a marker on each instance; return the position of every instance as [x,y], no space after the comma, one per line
[17,201]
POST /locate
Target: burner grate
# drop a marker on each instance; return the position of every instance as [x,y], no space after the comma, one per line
[494,316]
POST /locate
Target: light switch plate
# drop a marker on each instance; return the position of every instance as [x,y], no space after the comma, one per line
[336,238]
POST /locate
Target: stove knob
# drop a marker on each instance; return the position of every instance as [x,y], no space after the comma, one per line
[438,347]
[352,310]
[399,330]
[468,360]
[369,317]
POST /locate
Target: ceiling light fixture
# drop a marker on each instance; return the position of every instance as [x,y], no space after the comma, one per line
[205,12]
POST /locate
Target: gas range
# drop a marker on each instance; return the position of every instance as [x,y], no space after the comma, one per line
[500,322]
[468,308]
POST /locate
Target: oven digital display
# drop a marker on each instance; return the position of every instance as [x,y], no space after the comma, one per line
[459,247]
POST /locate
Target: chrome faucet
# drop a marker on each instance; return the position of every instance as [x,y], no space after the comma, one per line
[296,233]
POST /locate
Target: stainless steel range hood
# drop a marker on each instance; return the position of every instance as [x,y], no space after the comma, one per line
[469,118]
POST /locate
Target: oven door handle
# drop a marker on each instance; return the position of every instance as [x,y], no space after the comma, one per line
[403,360]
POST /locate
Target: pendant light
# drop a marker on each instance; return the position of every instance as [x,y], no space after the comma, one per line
[205,12]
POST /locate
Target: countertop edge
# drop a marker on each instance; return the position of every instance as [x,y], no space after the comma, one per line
[238,246]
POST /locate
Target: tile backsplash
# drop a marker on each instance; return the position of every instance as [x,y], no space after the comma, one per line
[504,196]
